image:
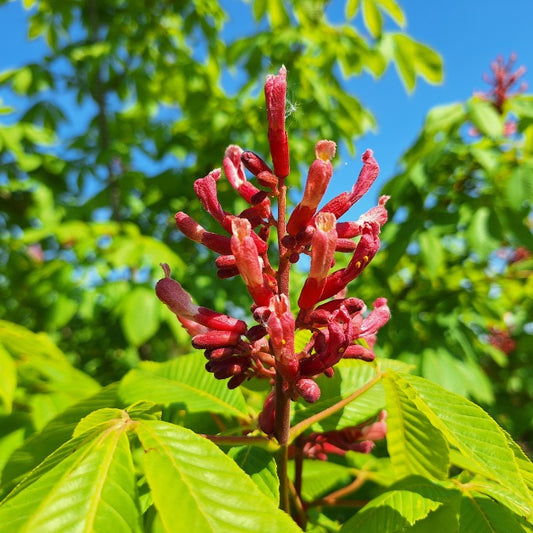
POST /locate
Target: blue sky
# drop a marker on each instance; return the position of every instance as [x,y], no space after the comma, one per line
[468,34]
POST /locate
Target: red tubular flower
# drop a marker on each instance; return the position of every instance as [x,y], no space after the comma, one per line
[366,249]
[342,203]
[318,179]
[180,303]
[234,170]
[190,228]
[206,191]
[280,325]
[322,252]
[247,260]
[275,93]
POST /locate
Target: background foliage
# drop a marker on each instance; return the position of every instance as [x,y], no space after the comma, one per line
[130,104]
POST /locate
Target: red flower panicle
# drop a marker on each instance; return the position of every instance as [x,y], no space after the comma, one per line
[339,326]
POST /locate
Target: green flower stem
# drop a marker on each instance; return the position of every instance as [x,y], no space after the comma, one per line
[299,428]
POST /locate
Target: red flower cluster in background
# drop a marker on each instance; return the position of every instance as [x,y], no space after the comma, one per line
[502,81]
[339,326]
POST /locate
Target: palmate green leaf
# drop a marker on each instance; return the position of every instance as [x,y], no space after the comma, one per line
[260,465]
[92,488]
[415,445]
[349,376]
[210,493]
[140,315]
[183,380]
[473,432]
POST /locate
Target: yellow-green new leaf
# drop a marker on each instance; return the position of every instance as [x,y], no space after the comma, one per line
[91,489]
[183,380]
[474,433]
[415,445]
[196,487]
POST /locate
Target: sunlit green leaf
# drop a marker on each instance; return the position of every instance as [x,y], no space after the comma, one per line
[415,445]
[8,379]
[90,489]
[209,491]
[260,465]
[140,316]
[372,18]
[184,381]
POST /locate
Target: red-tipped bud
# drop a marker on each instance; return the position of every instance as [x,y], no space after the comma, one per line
[171,293]
[357,351]
[308,390]
[216,339]
[275,93]
[191,229]
[254,163]
[225,368]
[318,179]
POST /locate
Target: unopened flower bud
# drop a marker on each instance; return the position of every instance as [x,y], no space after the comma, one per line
[308,390]
[216,339]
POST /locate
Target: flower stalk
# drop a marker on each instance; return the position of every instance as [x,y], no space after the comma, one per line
[339,326]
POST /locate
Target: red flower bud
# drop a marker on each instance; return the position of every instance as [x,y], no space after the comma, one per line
[191,229]
[216,339]
[267,416]
[254,163]
[308,390]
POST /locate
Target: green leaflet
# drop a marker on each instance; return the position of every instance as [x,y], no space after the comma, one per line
[392,511]
[140,315]
[89,486]
[415,445]
[54,434]
[183,380]
[473,432]
[260,465]
[210,493]
[8,380]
